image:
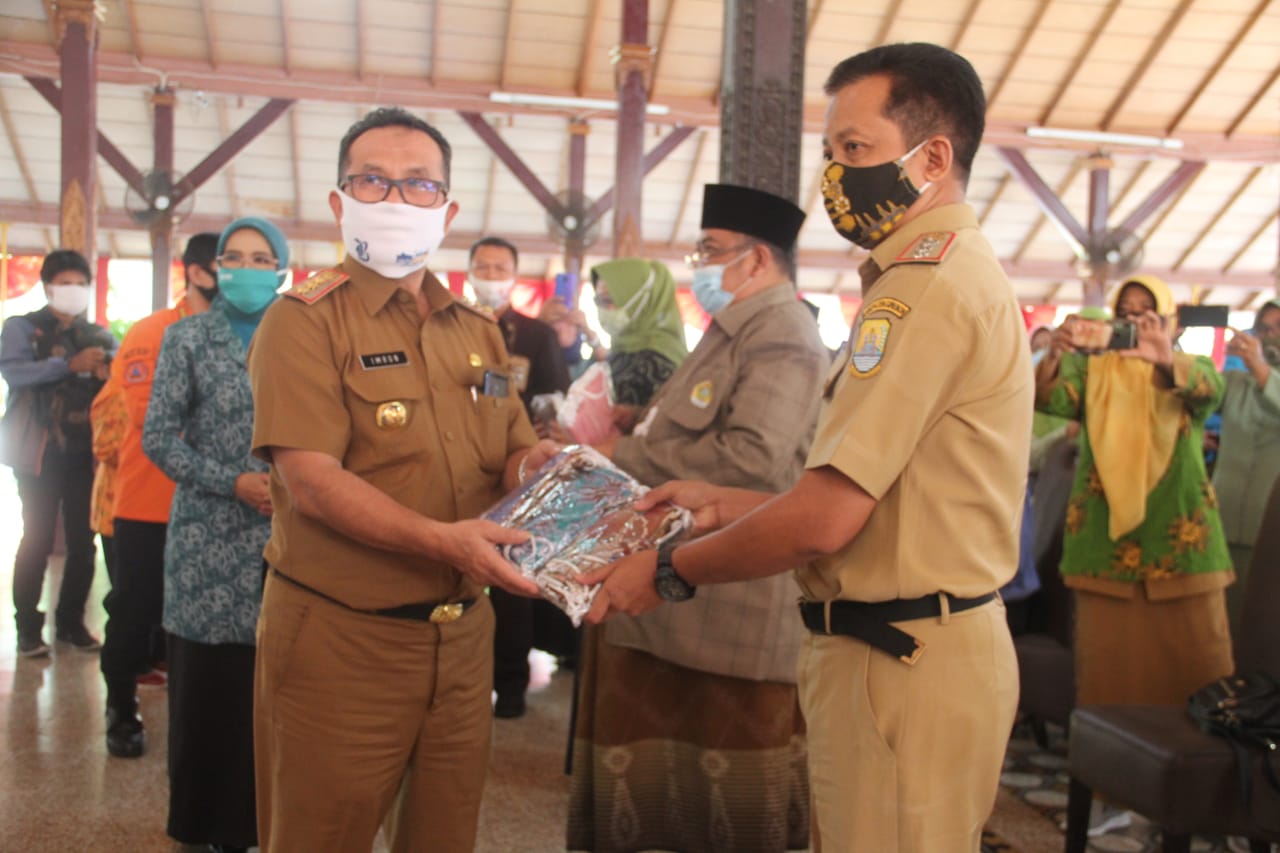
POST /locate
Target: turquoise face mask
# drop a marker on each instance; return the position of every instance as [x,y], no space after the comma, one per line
[248,290]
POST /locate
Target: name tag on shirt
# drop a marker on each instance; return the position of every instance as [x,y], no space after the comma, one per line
[376,360]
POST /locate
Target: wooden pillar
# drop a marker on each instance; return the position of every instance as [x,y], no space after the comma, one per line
[574,247]
[77,30]
[632,60]
[162,104]
[762,95]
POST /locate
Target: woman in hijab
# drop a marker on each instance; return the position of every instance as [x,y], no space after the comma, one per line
[1249,447]
[636,300]
[199,431]
[1144,549]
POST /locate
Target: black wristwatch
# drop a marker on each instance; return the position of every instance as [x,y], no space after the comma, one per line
[670,586]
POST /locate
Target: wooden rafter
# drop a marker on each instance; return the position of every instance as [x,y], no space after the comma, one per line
[210,32]
[361,33]
[1266,226]
[689,183]
[1076,167]
[1253,175]
[1140,70]
[965,23]
[887,21]
[815,9]
[588,48]
[1130,184]
[662,46]
[1169,208]
[1018,52]
[995,198]
[1253,103]
[814,194]
[1213,72]
[285,41]
[433,60]
[11,132]
[509,39]
[1249,300]
[131,20]
[1046,114]
[489,195]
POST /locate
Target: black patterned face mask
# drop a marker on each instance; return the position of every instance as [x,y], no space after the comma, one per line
[866,203]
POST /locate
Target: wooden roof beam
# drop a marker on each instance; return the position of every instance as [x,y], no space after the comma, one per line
[1219,216]
[232,145]
[1266,226]
[995,198]
[131,22]
[1046,115]
[296,150]
[16,145]
[965,23]
[361,34]
[655,156]
[1018,53]
[589,48]
[656,65]
[1218,65]
[286,43]
[229,172]
[690,182]
[1253,103]
[509,38]
[106,148]
[1140,70]
[1174,185]
[887,19]
[210,33]
[1049,201]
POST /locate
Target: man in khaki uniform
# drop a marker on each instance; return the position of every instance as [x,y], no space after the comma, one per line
[386,409]
[908,514]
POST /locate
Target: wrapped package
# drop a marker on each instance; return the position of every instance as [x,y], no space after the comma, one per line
[587,411]
[579,512]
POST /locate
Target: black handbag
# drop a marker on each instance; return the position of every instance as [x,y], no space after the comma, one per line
[1244,709]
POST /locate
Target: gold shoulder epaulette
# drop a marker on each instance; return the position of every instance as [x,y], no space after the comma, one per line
[479,310]
[928,248]
[318,286]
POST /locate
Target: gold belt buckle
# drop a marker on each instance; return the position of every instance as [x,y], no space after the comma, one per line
[447,612]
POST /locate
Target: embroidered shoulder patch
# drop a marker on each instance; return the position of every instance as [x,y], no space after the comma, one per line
[318,286]
[896,307]
[928,248]
[868,349]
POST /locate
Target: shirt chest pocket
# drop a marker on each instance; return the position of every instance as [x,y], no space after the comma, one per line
[695,407]
[389,420]
[487,435]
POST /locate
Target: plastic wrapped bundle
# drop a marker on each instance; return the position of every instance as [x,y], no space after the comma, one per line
[579,512]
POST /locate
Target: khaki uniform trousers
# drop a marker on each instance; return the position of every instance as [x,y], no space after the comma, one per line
[907,759]
[359,717]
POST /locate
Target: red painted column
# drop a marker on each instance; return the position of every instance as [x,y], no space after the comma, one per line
[632,60]
[77,30]
[162,103]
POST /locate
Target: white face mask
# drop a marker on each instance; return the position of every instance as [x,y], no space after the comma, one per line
[71,299]
[391,239]
[494,294]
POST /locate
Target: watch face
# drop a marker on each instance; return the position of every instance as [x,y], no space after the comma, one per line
[671,588]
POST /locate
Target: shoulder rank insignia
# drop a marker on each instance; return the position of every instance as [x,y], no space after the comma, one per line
[479,310]
[928,248]
[888,304]
[318,286]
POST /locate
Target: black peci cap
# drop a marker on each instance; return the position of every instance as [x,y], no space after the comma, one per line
[753,212]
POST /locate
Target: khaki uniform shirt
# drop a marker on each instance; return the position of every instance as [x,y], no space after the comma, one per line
[740,411]
[352,371]
[928,408]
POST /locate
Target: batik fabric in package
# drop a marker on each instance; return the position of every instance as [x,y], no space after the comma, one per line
[579,512]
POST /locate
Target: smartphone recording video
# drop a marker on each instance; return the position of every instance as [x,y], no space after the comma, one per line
[1203,315]
[1102,335]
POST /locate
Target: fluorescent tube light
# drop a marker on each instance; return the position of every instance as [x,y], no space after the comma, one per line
[559,102]
[1103,138]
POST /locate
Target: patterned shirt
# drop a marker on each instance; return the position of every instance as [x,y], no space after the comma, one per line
[1182,533]
[198,431]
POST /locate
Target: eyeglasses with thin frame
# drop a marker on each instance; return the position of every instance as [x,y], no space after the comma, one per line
[419,192]
[234,260]
[703,254]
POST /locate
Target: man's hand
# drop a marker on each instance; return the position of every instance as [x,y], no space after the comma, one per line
[704,500]
[471,548]
[626,587]
[255,489]
[87,360]
[1247,347]
[553,310]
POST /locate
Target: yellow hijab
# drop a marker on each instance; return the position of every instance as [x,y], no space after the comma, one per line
[1133,426]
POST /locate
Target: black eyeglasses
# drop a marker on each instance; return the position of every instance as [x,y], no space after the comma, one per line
[420,192]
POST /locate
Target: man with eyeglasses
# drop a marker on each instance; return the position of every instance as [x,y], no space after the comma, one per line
[739,411]
[133,640]
[388,413]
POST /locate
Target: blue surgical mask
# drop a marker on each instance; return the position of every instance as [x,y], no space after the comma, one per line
[708,286]
[248,290]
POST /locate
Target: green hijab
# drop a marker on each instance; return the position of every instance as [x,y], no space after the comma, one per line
[654,317]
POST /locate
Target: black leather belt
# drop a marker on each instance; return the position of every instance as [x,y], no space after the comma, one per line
[427,611]
[870,621]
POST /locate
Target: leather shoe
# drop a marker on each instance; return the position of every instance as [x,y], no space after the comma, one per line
[125,735]
[509,706]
